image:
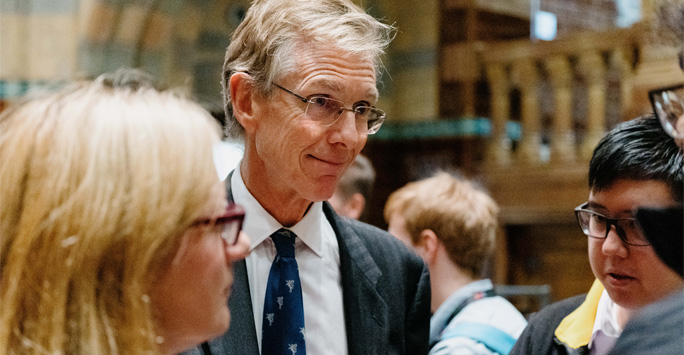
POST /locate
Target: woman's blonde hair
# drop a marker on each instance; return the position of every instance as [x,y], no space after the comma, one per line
[98,184]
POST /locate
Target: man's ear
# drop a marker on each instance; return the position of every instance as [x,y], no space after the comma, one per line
[429,243]
[355,205]
[242,99]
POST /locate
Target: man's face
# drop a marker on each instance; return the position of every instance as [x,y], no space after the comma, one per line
[300,158]
[632,275]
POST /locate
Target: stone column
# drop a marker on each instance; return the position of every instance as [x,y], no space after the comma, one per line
[498,151]
[562,134]
[527,78]
[592,68]
[621,63]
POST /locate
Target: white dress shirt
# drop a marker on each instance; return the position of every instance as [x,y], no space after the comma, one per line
[318,258]
[606,329]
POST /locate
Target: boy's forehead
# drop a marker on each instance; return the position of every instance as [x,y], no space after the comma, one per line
[623,195]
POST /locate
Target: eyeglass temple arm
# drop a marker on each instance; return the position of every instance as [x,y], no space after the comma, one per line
[300,97]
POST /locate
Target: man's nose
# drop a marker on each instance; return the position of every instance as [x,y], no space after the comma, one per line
[345,129]
[613,245]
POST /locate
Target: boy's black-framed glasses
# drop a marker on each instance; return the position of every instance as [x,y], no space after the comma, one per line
[596,225]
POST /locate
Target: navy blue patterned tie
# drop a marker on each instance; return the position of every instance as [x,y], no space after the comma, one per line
[283,323]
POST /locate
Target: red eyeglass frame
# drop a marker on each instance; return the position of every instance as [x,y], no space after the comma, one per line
[234,214]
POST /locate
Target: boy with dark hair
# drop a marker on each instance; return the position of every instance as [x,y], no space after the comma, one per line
[634,165]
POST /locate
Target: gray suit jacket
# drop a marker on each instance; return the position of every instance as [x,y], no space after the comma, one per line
[386,292]
[657,329]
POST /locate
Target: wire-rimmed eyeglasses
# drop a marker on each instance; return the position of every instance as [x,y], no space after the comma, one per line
[327,111]
[668,105]
[229,224]
[596,225]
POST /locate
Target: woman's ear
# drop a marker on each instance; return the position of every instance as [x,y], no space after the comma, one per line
[242,99]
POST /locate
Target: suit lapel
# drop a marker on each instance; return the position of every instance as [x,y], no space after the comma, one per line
[241,336]
[365,311]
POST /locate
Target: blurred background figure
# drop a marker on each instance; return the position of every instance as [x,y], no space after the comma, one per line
[116,234]
[452,226]
[354,188]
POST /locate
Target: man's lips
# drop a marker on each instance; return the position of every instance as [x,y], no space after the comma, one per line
[620,276]
[618,279]
[330,160]
[328,166]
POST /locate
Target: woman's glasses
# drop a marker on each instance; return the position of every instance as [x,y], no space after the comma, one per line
[229,223]
[596,225]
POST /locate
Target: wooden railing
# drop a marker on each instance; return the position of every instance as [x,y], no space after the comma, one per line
[564,95]
[560,89]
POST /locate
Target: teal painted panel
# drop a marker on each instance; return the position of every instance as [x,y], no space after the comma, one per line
[464,127]
[39,7]
[14,89]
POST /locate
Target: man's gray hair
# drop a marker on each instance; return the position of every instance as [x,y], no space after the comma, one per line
[263,44]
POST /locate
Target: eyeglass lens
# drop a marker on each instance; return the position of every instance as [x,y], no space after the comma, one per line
[668,105]
[228,225]
[598,226]
[231,230]
[327,111]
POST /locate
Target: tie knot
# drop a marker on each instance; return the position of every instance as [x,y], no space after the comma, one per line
[284,241]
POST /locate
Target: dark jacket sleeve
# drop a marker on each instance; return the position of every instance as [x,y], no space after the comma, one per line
[418,316]
[656,329]
[403,285]
[538,336]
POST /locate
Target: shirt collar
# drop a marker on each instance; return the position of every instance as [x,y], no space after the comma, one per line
[605,324]
[575,329]
[259,224]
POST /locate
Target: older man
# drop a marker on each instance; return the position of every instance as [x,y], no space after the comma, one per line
[300,85]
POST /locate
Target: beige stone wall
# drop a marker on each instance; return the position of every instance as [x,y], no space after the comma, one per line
[412,64]
[38,41]
[38,45]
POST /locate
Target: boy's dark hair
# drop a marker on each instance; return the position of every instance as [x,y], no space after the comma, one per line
[639,150]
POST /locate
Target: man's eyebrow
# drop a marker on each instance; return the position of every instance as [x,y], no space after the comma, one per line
[335,86]
[594,205]
[328,84]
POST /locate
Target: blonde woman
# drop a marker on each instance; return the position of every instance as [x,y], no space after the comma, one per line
[115,233]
